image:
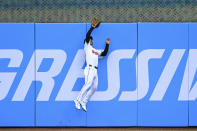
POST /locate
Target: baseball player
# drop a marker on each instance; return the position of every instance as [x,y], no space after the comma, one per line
[90,71]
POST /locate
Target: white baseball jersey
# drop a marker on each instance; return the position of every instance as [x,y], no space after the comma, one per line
[92,54]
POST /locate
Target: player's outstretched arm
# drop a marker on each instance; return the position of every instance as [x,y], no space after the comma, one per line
[87,39]
[94,24]
[104,53]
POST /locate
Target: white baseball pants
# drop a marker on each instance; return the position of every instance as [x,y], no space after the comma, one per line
[91,83]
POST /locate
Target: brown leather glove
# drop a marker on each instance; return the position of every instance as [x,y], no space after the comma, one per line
[95,22]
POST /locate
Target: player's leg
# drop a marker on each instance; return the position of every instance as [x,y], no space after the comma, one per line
[92,90]
[88,82]
[90,93]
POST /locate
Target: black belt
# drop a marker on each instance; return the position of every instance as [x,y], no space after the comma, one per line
[94,66]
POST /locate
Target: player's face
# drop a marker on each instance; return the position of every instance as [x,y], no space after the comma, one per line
[91,42]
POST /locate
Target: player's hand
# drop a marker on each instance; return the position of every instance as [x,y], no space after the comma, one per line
[107,40]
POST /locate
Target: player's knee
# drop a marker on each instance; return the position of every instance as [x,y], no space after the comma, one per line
[88,84]
[94,88]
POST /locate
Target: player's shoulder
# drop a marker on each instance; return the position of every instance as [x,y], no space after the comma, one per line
[87,45]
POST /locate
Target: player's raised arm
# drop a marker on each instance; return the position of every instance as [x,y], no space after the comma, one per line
[95,24]
[104,53]
[87,39]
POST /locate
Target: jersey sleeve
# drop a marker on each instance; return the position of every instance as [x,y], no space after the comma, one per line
[87,39]
[99,52]
[104,53]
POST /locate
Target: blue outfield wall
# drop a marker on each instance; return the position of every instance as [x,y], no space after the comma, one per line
[67,40]
[148,77]
[16,50]
[167,49]
[192,75]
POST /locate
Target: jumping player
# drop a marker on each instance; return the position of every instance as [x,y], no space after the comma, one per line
[90,72]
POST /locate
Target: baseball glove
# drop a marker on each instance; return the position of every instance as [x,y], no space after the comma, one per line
[95,22]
